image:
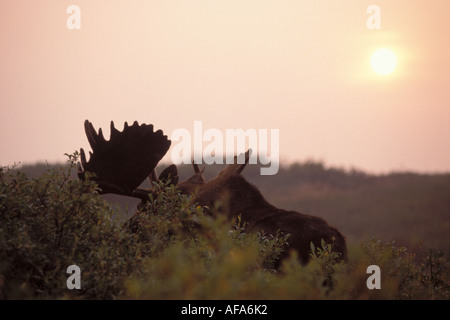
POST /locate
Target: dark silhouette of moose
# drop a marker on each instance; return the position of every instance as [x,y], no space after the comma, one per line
[129,157]
[230,193]
[121,164]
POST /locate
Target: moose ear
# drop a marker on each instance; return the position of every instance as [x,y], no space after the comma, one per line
[171,173]
[247,159]
[235,167]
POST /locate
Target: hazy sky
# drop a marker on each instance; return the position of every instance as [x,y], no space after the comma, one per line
[302,67]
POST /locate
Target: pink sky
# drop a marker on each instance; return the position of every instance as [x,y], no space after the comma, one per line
[302,67]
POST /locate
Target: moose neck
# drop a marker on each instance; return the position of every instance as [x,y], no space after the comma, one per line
[237,195]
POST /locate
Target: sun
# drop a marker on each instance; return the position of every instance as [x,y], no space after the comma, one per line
[383,61]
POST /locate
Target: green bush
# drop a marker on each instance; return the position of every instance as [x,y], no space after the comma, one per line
[49,223]
[170,249]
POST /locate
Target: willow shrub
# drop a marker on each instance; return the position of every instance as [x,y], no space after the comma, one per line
[171,250]
[52,222]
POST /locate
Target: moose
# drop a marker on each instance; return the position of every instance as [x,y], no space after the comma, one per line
[121,164]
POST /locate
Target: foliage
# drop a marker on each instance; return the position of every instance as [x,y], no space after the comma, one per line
[49,223]
[410,208]
[170,249]
[326,258]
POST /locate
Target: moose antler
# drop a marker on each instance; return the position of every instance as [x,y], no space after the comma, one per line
[121,164]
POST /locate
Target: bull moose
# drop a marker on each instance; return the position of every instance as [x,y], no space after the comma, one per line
[121,164]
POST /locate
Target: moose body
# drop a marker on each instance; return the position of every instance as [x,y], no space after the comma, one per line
[239,197]
[122,163]
[230,193]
